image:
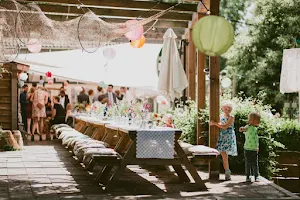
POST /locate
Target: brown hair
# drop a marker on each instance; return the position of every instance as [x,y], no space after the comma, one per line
[99,89]
[254,116]
[56,98]
[31,90]
[101,97]
[91,92]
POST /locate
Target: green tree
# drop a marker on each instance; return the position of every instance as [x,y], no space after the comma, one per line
[256,57]
[234,11]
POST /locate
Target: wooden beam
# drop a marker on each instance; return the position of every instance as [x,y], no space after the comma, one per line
[214,98]
[116,13]
[160,23]
[202,7]
[192,61]
[201,90]
[121,4]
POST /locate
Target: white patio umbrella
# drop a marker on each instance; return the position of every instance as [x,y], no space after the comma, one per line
[172,78]
[290,72]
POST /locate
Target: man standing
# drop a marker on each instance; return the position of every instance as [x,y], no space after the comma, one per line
[64,99]
[24,102]
[128,97]
[112,97]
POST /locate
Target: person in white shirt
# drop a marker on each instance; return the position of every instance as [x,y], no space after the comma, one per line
[128,97]
[64,99]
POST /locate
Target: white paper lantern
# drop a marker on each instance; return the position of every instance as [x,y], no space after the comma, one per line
[109,53]
[21,83]
[78,89]
[102,84]
[226,82]
[34,46]
[23,76]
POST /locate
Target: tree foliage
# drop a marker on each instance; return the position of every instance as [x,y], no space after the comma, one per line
[256,57]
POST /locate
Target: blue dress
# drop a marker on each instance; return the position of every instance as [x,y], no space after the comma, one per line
[227,140]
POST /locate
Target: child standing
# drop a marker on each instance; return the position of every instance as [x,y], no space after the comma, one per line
[227,141]
[251,146]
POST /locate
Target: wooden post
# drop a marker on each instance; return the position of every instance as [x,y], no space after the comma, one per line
[201,81]
[192,62]
[188,40]
[214,99]
[9,97]
[201,86]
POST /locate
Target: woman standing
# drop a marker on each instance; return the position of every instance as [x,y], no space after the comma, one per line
[39,100]
[29,111]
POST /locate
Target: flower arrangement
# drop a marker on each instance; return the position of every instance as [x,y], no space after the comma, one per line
[79,107]
[98,108]
[156,118]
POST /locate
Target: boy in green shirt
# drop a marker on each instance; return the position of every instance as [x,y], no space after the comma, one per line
[251,146]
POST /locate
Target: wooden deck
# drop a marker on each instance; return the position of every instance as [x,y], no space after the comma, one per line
[46,170]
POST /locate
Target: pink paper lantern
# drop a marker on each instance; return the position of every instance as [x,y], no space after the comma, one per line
[109,53]
[34,46]
[50,82]
[66,83]
[136,31]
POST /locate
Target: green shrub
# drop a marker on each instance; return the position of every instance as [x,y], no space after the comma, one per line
[185,119]
[288,133]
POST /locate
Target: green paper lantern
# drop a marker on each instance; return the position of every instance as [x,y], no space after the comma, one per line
[213,35]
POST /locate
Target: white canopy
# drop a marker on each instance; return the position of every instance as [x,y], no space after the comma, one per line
[290,71]
[130,67]
[172,78]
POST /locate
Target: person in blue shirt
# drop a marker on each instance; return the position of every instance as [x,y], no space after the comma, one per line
[24,102]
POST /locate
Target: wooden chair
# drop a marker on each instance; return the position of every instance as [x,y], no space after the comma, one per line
[288,175]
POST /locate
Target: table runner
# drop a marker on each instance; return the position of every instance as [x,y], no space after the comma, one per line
[155,143]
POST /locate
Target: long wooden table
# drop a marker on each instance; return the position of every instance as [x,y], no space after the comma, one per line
[126,146]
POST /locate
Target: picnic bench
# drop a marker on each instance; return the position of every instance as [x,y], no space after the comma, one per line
[120,149]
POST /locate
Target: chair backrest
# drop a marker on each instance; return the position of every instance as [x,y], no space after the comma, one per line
[111,136]
[99,133]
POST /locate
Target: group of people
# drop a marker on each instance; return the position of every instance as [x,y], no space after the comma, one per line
[36,106]
[226,144]
[110,97]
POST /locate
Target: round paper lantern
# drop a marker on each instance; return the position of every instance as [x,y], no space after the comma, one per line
[78,89]
[41,82]
[136,31]
[66,83]
[102,84]
[50,81]
[109,53]
[34,46]
[21,83]
[161,100]
[23,76]
[213,35]
[226,82]
[138,43]
[48,74]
